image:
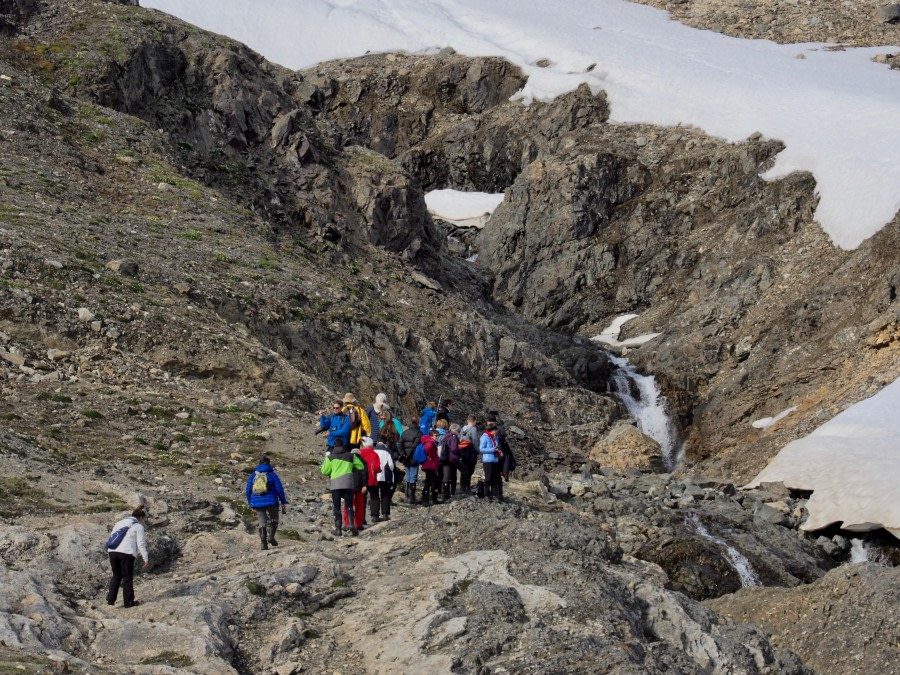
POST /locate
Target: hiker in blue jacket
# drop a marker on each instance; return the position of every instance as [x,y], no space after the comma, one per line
[264,492]
[426,421]
[337,424]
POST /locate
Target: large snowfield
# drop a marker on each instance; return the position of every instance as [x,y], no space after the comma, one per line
[837,112]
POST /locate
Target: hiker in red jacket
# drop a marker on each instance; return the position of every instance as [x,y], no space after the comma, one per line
[373,466]
[430,467]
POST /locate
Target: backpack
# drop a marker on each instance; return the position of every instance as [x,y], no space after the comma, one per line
[420,456]
[260,484]
[118,536]
[360,476]
[354,417]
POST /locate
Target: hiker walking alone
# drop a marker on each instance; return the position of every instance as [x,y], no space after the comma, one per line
[409,439]
[490,457]
[125,542]
[339,466]
[264,492]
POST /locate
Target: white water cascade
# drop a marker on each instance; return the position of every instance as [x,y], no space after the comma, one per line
[738,561]
[648,409]
[858,551]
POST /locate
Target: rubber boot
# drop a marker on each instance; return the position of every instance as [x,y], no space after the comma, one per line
[337,526]
[411,493]
[354,532]
[426,497]
[446,490]
[263,545]
[273,527]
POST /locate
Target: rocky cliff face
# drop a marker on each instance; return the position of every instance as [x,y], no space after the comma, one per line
[199,248]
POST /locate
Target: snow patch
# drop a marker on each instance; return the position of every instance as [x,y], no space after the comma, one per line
[837,112]
[610,335]
[766,422]
[852,465]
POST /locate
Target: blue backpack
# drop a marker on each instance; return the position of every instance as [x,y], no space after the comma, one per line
[419,456]
[118,536]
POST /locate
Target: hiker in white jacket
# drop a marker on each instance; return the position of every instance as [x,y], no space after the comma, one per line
[380,498]
[121,558]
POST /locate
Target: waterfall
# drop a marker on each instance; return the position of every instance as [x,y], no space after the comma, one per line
[648,408]
[858,551]
[738,561]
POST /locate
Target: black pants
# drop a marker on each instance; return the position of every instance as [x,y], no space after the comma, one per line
[380,499]
[122,565]
[432,485]
[267,515]
[492,480]
[465,478]
[449,476]
[347,496]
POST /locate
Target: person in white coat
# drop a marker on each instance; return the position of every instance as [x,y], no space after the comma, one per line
[121,557]
[380,501]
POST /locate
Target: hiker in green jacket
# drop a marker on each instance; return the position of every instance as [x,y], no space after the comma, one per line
[339,466]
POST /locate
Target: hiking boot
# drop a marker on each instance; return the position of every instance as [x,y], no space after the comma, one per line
[263,544]
[354,532]
[337,527]
[133,604]
[273,527]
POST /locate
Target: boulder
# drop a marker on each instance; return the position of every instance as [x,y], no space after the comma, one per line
[625,447]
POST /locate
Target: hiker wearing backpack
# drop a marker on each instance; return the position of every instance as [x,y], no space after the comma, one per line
[409,439]
[337,424]
[374,412]
[340,465]
[359,421]
[450,461]
[380,495]
[389,437]
[468,450]
[443,410]
[264,492]
[125,542]
[431,489]
[426,421]
[490,457]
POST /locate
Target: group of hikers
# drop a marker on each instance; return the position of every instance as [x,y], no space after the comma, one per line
[365,451]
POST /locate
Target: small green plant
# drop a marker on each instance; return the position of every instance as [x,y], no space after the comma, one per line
[192,235]
[339,583]
[161,413]
[181,438]
[168,658]
[231,408]
[92,414]
[290,534]
[43,396]
[213,469]
[311,634]
[256,588]
[159,446]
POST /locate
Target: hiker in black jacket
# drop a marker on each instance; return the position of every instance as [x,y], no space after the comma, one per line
[409,439]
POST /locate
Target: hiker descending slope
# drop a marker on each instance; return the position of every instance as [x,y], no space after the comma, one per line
[337,424]
[124,543]
[264,492]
